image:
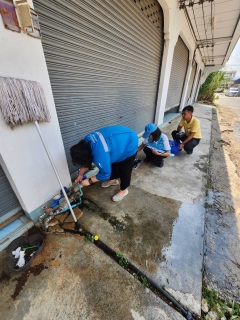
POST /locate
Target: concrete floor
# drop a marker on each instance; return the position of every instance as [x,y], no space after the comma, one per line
[80,282]
[158,227]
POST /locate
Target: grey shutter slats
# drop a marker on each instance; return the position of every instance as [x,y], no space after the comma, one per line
[178,74]
[103,58]
[197,86]
[8,199]
[191,81]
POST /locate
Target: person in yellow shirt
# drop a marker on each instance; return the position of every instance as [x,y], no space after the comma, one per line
[192,135]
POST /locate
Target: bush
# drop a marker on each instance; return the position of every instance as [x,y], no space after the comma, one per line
[213,81]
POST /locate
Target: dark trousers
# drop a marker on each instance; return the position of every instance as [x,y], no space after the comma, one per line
[151,156]
[190,145]
[123,170]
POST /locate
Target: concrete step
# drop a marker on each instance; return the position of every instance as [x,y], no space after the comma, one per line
[13,230]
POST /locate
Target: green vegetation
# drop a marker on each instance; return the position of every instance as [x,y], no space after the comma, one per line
[208,186]
[121,260]
[144,281]
[213,81]
[207,205]
[89,238]
[218,305]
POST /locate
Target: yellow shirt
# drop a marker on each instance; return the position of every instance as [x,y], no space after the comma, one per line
[192,126]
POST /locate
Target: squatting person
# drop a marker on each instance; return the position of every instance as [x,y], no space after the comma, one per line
[192,135]
[156,145]
[112,149]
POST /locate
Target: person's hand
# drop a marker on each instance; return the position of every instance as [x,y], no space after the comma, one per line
[79,179]
[155,152]
[85,183]
[180,146]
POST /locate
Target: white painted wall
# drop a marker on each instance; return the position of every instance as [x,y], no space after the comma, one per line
[175,25]
[23,157]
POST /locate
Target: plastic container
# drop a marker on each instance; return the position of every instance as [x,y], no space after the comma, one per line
[20,242]
[174,147]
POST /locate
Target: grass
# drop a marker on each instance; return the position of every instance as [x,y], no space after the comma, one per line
[121,260]
[144,281]
[89,238]
[207,205]
[216,304]
[208,186]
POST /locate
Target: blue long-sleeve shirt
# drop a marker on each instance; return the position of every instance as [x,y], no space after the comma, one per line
[111,144]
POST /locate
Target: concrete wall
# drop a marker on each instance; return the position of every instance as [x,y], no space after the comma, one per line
[23,157]
[175,25]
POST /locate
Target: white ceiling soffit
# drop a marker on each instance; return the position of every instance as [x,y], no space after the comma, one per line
[213,24]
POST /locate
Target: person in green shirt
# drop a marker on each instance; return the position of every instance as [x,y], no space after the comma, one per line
[192,135]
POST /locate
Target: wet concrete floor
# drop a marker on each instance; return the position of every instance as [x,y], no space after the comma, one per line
[159,226]
[73,279]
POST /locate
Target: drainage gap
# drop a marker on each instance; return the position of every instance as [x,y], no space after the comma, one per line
[138,275]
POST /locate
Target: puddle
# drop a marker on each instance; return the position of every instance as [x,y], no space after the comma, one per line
[161,236]
[182,268]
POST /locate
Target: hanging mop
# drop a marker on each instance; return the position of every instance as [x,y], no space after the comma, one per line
[23,101]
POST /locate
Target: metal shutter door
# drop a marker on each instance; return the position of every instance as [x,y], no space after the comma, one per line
[178,74]
[103,59]
[191,80]
[197,87]
[8,198]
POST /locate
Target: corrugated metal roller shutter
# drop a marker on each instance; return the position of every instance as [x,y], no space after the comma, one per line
[178,74]
[8,198]
[191,81]
[197,87]
[103,59]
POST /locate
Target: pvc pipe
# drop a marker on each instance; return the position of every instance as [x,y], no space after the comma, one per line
[55,170]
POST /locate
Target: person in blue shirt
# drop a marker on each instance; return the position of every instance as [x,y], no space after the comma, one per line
[112,149]
[156,145]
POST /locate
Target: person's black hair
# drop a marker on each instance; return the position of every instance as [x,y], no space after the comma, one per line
[188,108]
[156,134]
[81,154]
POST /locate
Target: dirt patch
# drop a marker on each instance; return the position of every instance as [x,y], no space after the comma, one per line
[22,279]
[5,276]
[221,258]
[36,230]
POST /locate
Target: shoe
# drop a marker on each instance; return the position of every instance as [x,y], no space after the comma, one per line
[119,197]
[136,163]
[190,152]
[106,184]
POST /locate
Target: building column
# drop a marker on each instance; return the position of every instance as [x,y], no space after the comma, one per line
[185,88]
[168,51]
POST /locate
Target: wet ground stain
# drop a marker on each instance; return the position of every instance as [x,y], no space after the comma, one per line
[142,226]
[5,276]
[23,278]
